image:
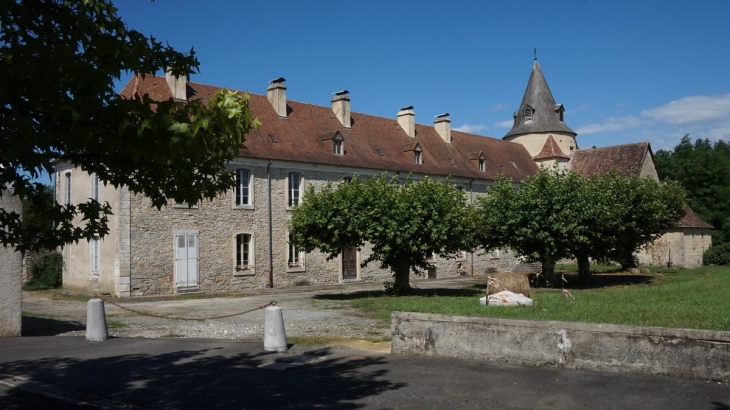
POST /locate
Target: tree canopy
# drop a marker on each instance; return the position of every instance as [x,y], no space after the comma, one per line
[58,63]
[405,223]
[703,169]
[560,214]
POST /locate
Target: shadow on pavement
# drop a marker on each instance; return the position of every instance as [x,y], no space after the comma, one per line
[196,379]
[414,292]
[39,326]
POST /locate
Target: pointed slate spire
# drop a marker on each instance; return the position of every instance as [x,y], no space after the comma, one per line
[543,115]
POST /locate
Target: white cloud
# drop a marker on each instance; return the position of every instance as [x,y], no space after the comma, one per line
[579,108]
[470,128]
[611,124]
[499,107]
[698,108]
[505,124]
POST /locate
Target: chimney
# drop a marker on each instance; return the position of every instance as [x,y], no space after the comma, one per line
[276,93]
[341,107]
[442,123]
[407,120]
[178,85]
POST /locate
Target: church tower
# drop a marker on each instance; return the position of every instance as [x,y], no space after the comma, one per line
[539,124]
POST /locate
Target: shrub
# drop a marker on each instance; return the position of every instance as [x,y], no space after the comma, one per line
[717,255]
[46,273]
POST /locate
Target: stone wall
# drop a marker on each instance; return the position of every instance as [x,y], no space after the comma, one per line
[11,275]
[693,354]
[152,264]
[682,248]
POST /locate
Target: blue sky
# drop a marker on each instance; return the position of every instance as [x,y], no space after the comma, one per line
[626,71]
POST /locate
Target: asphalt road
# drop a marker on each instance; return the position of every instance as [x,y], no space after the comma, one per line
[173,373]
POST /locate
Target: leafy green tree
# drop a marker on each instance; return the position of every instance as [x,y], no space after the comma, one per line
[703,169]
[560,214]
[58,63]
[405,223]
[539,221]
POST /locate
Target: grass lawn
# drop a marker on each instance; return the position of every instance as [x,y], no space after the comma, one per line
[692,299]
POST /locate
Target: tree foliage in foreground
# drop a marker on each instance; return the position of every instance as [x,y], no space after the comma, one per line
[560,214]
[703,169]
[405,223]
[58,63]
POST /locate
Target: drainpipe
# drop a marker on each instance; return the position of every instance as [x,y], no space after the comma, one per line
[271,241]
[471,201]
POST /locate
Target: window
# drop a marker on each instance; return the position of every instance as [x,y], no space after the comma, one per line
[481,163]
[68,188]
[295,258]
[243,187]
[244,254]
[337,144]
[417,156]
[294,191]
[561,115]
[528,113]
[95,187]
[94,256]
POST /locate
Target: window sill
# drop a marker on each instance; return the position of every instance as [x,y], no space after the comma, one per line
[247,207]
[247,271]
[295,269]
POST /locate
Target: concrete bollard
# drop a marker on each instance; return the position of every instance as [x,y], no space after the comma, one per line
[96,329]
[274,335]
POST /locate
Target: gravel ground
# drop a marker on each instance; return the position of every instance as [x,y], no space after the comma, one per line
[326,321]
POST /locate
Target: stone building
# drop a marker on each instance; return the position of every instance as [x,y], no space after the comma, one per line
[11,274]
[240,240]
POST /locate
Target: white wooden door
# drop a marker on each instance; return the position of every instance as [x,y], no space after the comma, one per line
[186,258]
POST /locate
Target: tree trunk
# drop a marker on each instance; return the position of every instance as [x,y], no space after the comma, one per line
[401,274]
[548,270]
[626,259]
[584,270]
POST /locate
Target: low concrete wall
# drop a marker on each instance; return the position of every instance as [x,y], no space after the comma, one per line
[693,354]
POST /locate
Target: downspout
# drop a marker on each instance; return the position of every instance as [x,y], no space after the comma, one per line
[471,201]
[271,241]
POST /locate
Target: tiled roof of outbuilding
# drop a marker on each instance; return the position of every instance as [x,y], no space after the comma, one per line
[550,150]
[627,159]
[692,220]
[299,138]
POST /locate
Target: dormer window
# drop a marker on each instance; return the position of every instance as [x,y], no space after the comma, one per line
[482,161]
[528,113]
[337,145]
[561,115]
[417,155]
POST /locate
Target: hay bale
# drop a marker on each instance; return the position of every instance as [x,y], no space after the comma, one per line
[513,282]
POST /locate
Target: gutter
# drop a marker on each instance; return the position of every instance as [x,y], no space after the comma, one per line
[271,250]
[471,201]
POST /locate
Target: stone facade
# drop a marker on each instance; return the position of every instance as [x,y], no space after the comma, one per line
[679,248]
[11,275]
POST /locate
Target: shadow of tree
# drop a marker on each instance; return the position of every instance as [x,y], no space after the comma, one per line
[598,280]
[39,326]
[207,378]
[413,292]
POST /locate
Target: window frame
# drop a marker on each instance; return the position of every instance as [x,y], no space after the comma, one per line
[250,268]
[418,155]
[249,188]
[295,261]
[95,257]
[290,190]
[68,187]
[338,145]
[481,163]
[528,113]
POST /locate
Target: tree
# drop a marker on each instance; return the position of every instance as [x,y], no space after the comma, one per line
[58,64]
[539,221]
[703,169]
[560,214]
[406,223]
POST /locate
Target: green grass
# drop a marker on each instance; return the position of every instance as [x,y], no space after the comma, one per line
[113,324]
[693,299]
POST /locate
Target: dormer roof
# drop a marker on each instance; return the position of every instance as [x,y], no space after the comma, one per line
[546,114]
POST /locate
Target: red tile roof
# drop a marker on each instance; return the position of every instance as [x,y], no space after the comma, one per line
[626,158]
[692,220]
[550,150]
[299,138]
